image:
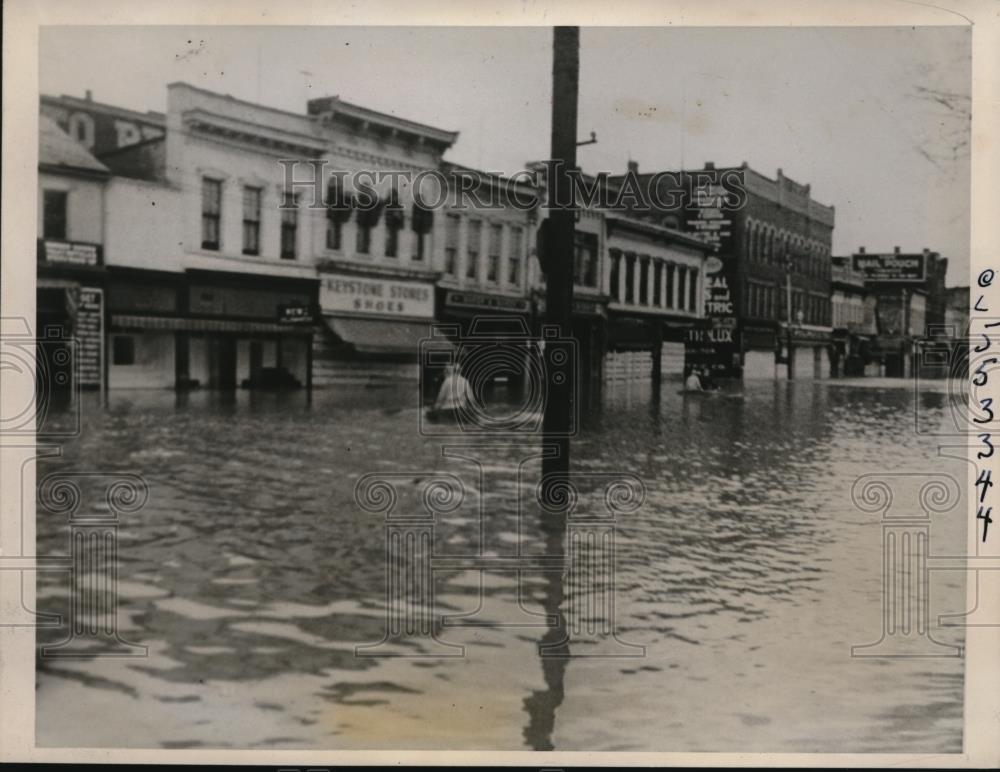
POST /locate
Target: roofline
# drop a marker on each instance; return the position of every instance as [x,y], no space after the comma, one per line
[640,226]
[142,143]
[152,116]
[431,132]
[247,102]
[76,171]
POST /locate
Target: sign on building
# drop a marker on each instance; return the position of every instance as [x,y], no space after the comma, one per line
[73,252]
[364,296]
[890,267]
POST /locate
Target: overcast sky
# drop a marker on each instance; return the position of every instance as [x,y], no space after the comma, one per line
[838,108]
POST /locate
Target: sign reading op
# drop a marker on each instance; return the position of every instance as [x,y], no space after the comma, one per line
[363,296]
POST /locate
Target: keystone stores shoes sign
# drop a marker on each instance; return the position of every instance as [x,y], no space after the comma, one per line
[353,295]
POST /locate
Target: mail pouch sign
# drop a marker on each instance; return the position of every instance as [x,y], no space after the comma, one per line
[361,296]
[889,267]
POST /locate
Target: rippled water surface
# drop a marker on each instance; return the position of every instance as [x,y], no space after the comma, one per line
[747,575]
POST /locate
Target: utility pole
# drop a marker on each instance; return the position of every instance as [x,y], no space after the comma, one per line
[561,373]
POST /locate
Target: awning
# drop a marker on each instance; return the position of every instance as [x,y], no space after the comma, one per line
[190,324]
[382,336]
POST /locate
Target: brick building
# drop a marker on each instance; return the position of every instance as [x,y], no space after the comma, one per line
[773,243]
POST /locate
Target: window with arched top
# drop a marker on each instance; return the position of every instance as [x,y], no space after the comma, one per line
[81,128]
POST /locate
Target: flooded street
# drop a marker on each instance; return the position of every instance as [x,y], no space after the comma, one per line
[747,575]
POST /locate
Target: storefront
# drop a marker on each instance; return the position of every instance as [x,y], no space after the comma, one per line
[210,330]
[373,327]
[763,349]
[493,338]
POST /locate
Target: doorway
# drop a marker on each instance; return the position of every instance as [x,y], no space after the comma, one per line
[222,363]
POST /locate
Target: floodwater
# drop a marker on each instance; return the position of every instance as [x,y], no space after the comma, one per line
[740,584]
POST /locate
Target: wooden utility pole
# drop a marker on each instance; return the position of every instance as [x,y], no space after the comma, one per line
[561,370]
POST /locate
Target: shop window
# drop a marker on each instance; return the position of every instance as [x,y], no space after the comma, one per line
[54,214]
[452,223]
[123,350]
[211,212]
[514,246]
[251,221]
[289,225]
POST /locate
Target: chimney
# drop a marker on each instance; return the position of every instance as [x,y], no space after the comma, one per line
[88,95]
[780,174]
[895,250]
[861,250]
[709,166]
[633,166]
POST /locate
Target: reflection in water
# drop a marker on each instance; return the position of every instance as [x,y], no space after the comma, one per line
[554,652]
[252,575]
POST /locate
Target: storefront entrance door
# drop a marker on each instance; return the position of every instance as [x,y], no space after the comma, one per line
[222,363]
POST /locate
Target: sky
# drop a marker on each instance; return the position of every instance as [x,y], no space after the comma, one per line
[838,108]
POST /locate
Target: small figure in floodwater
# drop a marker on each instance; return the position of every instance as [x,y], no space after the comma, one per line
[693,382]
[707,382]
[455,392]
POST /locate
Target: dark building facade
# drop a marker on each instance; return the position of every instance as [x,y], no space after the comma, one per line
[773,241]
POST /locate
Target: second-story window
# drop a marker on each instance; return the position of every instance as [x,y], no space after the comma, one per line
[211,213]
[251,221]
[616,267]
[585,263]
[693,290]
[644,281]
[452,223]
[514,246]
[54,214]
[472,247]
[658,283]
[393,225]
[289,226]
[338,211]
[367,219]
[493,264]
[421,222]
[671,277]
[630,278]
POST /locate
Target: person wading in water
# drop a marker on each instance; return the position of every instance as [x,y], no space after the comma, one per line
[455,393]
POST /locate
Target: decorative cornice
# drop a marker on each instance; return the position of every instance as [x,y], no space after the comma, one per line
[333,265]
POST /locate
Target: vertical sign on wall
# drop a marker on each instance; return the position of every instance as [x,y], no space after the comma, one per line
[88,331]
